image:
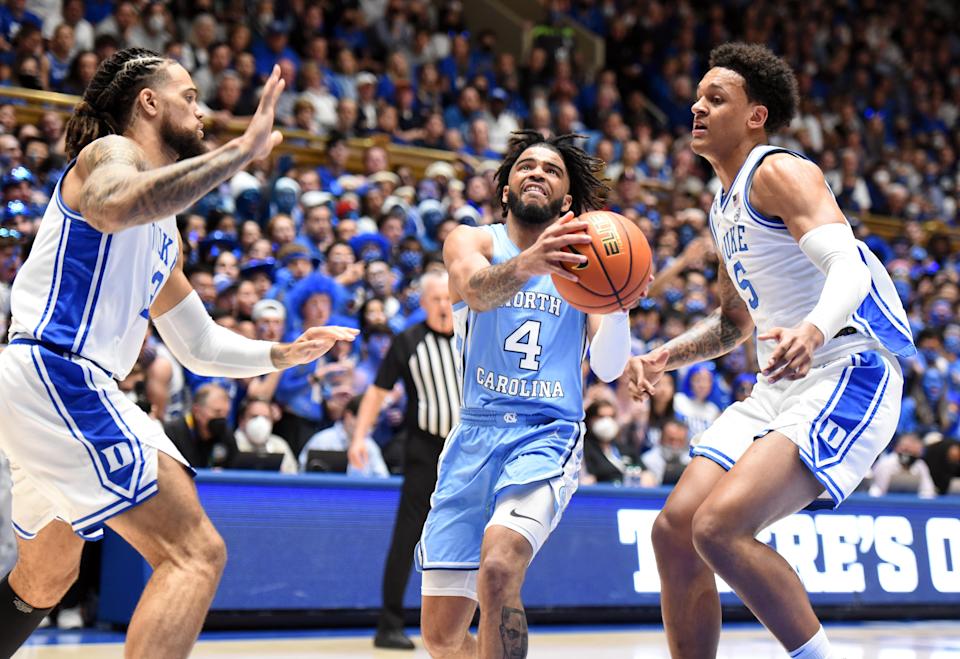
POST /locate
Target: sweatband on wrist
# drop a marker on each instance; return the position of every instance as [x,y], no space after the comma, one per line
[833,249]
[209,349]
[610,347]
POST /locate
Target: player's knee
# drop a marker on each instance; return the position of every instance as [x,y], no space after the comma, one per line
[212,553]
[45,588]
[671,533]
[497,578]
[202,553]
[711,536]
[441,640]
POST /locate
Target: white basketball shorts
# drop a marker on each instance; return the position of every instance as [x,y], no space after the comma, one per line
[79,449]
[841,416]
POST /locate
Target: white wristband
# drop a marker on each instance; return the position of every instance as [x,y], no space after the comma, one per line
[833,249]
[209,349]
[610,347]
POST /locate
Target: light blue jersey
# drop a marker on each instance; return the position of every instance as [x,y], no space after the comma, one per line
[524,356]
[520,374]
[89,293]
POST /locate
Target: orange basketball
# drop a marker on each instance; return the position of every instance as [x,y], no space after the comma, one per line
[615,276]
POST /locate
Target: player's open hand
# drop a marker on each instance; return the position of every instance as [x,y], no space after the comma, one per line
[645,371]
[552,249]
[260,137]
[793,355]
[310,345]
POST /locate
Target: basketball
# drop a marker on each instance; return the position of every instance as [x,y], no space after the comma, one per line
[615,276]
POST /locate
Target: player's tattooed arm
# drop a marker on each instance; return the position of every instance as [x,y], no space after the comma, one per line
[120,190]
[496,284]
[513,633]
[466,253]
[717,334]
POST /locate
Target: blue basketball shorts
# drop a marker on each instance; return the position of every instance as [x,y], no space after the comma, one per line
[485,454]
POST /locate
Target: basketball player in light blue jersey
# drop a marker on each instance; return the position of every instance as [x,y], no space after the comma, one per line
[509,468]
[830,327]
[105,261]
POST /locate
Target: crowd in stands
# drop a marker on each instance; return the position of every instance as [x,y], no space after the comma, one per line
[281,248]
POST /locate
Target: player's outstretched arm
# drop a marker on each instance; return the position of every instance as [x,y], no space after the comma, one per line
[210,349]
[484,286]
[120,190]
[716,335]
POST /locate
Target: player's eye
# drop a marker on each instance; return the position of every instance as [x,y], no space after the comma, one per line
[717,100]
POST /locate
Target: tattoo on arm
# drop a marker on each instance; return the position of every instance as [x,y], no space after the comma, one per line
[493,286]
[513,633]
[715,335]
[111,192]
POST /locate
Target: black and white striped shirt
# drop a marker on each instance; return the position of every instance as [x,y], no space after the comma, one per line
[424,359]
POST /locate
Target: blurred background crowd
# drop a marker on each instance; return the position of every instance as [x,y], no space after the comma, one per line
[283,247]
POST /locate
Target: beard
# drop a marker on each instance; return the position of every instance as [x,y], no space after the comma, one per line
[533,214]
[184,142]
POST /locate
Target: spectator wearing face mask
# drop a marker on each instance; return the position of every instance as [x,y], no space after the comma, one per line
[203,436]
[255,434]
[903,470]
[602,459]
[663,464]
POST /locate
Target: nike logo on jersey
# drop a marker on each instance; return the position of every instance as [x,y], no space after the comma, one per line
[514,513]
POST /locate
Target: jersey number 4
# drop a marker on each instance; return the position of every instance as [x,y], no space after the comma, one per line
[526,341]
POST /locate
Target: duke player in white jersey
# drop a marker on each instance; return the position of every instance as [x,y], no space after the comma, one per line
[509,468]
[827,401]
[106,260]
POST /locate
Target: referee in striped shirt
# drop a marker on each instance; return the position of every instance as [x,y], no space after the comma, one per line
[423,356]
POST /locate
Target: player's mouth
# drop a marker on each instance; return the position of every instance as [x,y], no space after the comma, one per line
[699,128]
[534,188]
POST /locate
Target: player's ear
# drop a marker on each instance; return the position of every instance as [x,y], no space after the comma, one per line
[567,204]
[758,117]
[504,194]
[149,102]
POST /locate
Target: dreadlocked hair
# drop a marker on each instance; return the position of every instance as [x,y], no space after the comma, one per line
[108,102]
[588,191]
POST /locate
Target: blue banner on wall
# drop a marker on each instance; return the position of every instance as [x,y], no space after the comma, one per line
[320,542]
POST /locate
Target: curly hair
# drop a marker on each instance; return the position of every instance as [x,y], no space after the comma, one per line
[107,104]
[588,191]
[769,79]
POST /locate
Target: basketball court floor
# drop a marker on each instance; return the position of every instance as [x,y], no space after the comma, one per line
[911,640]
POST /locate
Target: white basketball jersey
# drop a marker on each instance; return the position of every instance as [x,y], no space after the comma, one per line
[780,284]
[89,293]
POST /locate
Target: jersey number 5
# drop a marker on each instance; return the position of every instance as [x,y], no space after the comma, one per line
[740,273]
[530,349]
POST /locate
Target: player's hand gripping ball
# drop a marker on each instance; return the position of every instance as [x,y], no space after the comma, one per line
[618,267]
